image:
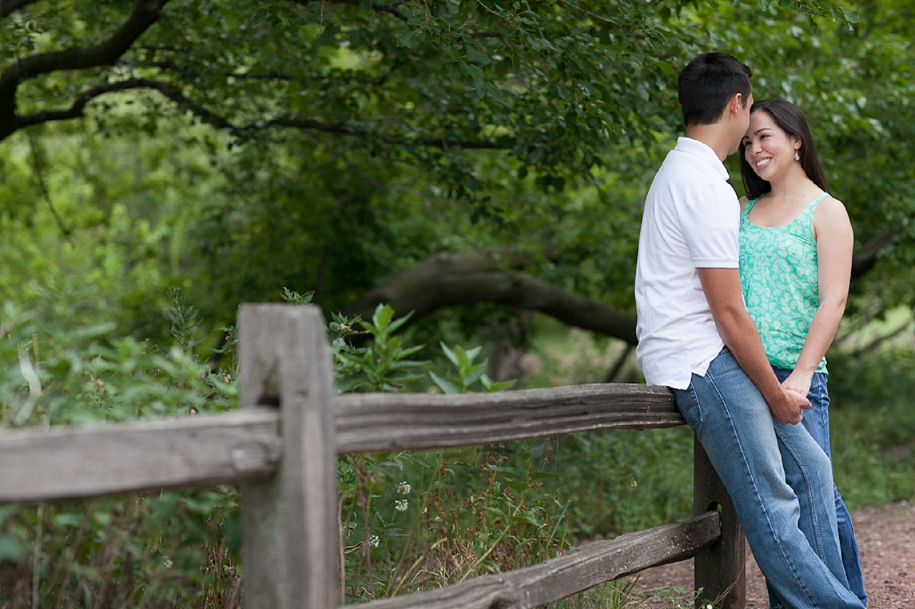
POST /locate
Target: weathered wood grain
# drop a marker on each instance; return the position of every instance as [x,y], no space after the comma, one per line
[289,522]
[584,568]
[66,463]
[383,422]
[203,450]
[720,572]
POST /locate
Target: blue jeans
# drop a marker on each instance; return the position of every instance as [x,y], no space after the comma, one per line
[816,422]
[781,484]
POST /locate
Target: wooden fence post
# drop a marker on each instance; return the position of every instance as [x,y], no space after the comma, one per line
[720,571]
[289,521]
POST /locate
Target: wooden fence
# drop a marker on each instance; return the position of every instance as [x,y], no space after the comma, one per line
[280,446]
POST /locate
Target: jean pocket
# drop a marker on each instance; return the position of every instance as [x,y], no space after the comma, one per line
[688,405]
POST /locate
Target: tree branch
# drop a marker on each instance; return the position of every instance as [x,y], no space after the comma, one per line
[865,257]
[345,129]
[8,6]
[447,280]
[169,91]
[144,14]
[589,13]
[172,67]
[376,6]
[174,94]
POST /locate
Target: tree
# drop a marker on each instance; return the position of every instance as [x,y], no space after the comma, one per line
[526,124]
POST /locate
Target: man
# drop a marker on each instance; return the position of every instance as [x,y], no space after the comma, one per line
[696,337]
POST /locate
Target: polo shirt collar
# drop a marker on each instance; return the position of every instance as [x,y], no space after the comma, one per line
[704,152]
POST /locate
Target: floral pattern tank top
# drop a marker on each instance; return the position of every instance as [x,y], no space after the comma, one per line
[778,274]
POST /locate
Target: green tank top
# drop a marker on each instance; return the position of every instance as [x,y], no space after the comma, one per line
[778,273]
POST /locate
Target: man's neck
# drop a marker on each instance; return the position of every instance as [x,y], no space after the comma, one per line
[714,136]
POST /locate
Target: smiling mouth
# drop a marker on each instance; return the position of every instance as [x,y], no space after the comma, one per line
[763,163]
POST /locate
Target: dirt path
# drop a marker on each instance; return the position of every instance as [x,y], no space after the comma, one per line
[886,536]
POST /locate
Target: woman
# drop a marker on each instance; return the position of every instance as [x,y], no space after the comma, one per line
[795,264]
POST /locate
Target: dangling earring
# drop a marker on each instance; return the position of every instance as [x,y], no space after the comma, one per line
[797,157]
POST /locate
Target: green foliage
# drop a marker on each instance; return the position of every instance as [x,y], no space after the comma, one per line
[467,373]
[180,548]
[461,513]
[873,425]
[336,144]
[185,321]
[384,366]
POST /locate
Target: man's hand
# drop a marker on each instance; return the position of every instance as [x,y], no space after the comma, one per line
[788,409]
[725,298]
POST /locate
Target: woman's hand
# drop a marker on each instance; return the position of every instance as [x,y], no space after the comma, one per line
[799,382]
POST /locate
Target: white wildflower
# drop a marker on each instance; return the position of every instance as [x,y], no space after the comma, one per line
[374,541]
[403,488]
[401,505]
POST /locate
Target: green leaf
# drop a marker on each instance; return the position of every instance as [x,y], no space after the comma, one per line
[473,353]
[478,56]
[409,351]
[446,386]
[475,73]
[10,549]
[500,386]
[399,322]
[451,355]
[473,374]
[382,316]
[410,39]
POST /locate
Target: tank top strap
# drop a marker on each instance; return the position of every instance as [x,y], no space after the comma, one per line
[814,203]
[745,213]
[807,215]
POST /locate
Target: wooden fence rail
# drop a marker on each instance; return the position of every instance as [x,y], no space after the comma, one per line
[280,447]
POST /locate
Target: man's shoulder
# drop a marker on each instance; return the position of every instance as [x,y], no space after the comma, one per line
[684,159]
[685,173]
[696,160]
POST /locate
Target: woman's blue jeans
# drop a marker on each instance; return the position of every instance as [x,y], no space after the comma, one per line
[816,422]
[780,482]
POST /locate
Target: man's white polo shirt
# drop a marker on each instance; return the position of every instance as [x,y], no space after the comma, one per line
[691,220]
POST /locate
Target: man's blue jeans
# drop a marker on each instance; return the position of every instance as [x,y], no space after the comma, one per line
[816,422]
[780,482]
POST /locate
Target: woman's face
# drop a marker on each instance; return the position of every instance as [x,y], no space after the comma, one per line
[767,148]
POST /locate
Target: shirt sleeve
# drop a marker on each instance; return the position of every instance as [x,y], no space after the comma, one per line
[711,225]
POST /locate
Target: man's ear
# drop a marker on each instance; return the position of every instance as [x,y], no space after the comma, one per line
[736,104]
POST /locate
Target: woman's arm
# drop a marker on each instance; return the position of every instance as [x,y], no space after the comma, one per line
[835,243]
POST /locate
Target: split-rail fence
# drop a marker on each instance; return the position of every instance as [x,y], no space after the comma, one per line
[281,446]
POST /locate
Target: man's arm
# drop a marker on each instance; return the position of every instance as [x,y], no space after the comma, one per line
[722,290]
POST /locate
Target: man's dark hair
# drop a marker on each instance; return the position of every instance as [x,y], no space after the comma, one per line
[706,85]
